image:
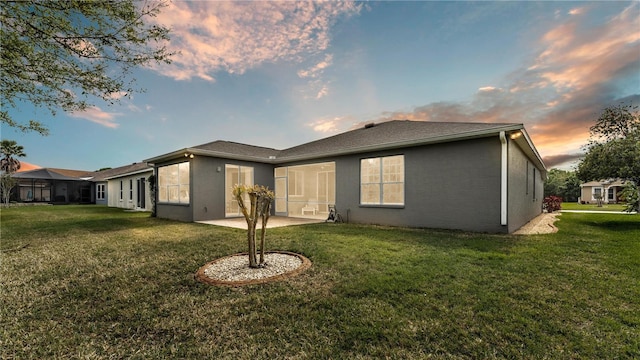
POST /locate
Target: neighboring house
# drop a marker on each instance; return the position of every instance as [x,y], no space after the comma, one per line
[52,185]
[468,176]
[124,187]
[609,190]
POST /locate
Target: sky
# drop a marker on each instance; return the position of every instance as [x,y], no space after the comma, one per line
[279,74]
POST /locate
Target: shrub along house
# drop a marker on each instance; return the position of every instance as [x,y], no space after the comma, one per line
[468,176]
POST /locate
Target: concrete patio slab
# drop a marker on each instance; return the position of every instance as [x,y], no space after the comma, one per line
[274,221]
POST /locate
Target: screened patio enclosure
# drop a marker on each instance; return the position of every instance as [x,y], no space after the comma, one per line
[305,191]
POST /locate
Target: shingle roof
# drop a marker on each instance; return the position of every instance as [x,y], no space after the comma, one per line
[229,147]
[51,174]
[396,133]
[389,134]
[609,182]
[120,171]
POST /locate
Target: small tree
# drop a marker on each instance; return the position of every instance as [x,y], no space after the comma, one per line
[260,198]
[631,197]
[8,165]
[6,184]
[152,193]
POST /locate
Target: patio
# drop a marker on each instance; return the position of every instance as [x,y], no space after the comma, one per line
[274,221]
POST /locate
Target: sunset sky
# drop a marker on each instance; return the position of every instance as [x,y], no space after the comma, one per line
[278,74]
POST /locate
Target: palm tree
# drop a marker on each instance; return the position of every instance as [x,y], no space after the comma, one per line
[10,149]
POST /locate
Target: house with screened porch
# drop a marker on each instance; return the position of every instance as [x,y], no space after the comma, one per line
[468,176]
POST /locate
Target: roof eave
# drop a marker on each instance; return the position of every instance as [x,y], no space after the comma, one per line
[404,144]
[526,145]
[200,152]
[127,174]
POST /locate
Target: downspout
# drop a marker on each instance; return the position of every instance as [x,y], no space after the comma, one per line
[503,180]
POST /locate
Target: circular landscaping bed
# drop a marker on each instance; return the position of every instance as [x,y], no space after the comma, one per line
[234,270]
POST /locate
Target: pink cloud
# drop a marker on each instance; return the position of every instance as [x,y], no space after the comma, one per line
[573,74]
[98,116]
[233,37]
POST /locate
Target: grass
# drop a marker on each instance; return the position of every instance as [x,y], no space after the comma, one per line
[604,207]
[95,282]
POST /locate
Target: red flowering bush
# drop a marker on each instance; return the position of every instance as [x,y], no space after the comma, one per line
[552,203]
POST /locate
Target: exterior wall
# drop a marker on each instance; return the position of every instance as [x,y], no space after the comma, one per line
[129,199]
[451,185]
[208,184]
[455,185]
[179,212]
[525,188]
[586,194]
[207,188]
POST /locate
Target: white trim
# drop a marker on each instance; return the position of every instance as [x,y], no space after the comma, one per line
[503,179]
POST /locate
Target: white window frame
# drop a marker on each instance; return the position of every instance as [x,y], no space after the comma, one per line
[382,180]
[593,193]
[180,189]
[101,191]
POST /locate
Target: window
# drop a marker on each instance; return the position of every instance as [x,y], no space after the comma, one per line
[597,193]
[130,189]
[121,195]
[534,184]
[100,190]
[382,181]
[173,183]
[296,183]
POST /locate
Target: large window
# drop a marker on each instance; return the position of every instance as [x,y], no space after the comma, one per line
[382,180]
[100,189]
[173,183]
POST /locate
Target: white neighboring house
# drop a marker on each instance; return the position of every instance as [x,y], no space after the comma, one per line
[609,190]
[124,187]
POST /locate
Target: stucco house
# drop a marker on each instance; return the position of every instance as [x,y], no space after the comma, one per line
[124,187]
[469,176]
[609,190]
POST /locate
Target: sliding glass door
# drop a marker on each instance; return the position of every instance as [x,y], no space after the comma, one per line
[236,175]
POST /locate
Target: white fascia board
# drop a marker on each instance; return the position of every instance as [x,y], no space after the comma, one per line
[527,146]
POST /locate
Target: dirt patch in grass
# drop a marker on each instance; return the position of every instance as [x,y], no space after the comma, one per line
[234,270]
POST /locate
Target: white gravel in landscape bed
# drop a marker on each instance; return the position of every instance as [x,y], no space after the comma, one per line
[236,268]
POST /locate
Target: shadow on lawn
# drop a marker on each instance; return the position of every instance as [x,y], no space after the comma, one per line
[616,225]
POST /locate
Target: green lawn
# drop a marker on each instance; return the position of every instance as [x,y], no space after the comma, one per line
[94,282]
[604,207]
